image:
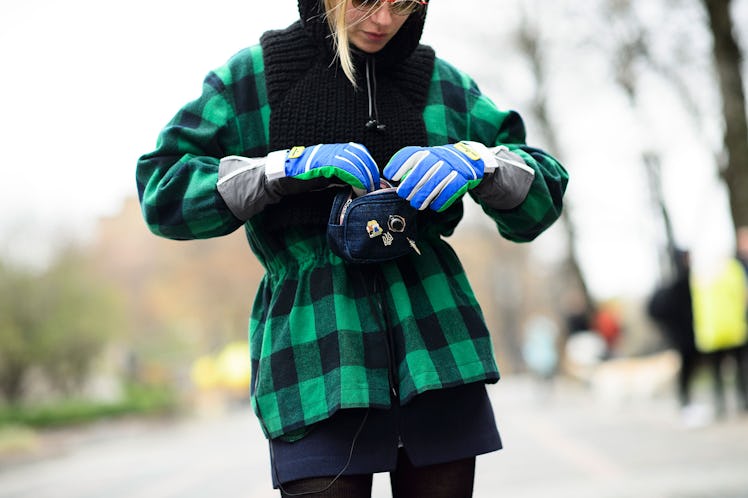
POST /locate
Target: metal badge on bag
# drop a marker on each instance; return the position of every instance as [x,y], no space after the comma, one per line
[373,229]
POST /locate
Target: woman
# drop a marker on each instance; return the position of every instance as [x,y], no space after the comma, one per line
[357,369]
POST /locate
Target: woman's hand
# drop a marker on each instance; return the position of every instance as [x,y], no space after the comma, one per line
[351,163]
[436,177]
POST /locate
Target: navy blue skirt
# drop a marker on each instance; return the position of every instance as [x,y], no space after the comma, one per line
[435,427]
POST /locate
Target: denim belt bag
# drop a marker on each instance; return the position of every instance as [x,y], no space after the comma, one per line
[375,227]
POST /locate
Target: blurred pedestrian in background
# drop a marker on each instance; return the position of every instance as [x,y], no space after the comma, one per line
[583,347]
[356,368]
[540,350]
[720,297]
[741,241]
[671,309]
[607,322]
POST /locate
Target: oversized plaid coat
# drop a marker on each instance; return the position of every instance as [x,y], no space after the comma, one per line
[326,335]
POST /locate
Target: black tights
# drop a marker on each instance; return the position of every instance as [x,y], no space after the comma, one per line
[445,480]
[716,360]
[688,364]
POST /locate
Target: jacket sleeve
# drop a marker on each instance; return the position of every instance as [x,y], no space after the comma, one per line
[524,195]
[538,198]
[177,182]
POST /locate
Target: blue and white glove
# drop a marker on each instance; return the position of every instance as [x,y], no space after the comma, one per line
[436,177]
[351,163]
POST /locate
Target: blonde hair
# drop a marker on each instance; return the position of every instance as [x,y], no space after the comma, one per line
[335,15]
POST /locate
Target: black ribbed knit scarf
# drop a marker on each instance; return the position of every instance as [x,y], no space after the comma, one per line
[312,101]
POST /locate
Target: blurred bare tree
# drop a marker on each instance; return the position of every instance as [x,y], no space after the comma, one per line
[633,51]
[728,58]
[530,43]
[629,44]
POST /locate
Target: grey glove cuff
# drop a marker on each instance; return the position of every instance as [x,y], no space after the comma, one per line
[508,185]
[249,184]
[243,185]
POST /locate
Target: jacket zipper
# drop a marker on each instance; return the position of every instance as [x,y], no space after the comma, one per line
[389,340]
[390,346]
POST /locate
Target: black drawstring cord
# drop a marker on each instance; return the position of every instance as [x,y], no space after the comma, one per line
[371,89]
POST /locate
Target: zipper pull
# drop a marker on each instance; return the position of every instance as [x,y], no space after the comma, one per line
[413,245]
[344,209]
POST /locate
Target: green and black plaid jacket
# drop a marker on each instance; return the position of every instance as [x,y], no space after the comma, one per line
[326,335]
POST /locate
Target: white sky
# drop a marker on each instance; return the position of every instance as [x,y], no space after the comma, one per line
[89,84]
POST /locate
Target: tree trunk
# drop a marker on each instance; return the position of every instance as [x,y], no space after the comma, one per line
[727,59]
[11,381]
[529,43]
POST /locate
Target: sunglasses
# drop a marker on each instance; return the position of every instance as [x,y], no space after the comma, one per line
[397,7]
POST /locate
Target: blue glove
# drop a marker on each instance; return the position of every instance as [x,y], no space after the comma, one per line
[349,162]
[436,177]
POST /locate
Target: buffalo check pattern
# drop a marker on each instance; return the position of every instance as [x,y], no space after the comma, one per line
[324,334]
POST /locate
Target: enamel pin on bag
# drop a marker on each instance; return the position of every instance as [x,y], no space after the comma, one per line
[375,227]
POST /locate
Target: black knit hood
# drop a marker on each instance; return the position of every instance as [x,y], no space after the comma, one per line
[384,111]
[302,87]
[402,45]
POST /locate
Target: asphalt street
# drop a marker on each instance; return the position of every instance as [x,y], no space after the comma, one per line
[562,443]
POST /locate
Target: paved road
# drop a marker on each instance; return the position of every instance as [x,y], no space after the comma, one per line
[568,445]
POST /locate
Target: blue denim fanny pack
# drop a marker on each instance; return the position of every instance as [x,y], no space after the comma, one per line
[376,227]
